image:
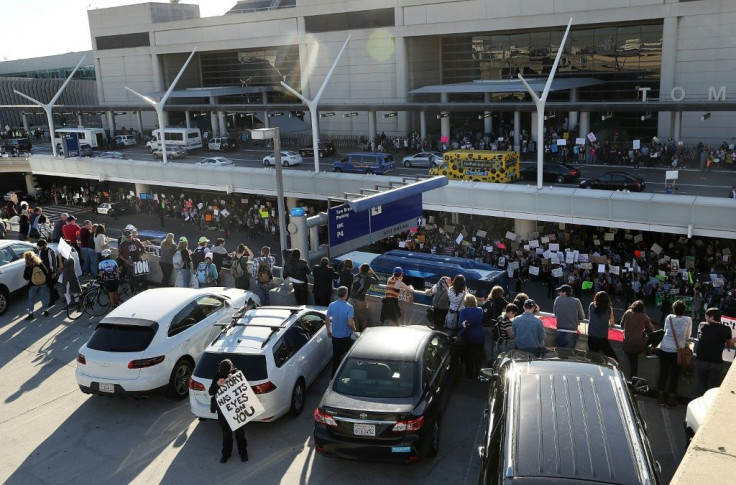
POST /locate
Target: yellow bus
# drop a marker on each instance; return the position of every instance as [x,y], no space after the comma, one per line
[479,166]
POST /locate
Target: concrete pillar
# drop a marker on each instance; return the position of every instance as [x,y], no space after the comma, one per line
[371,126]
[26,125]
[30,186]
[584,124]
[291,202]
[266,119]
[572,118]
[667,73]
[222,124]
[445,122]
[676,125]
[213,118]
[188,118]
[80,121]
[534,131]
[455,218]
[423,124]
[111,122]
[158,75]
[487,118]
[139,120]
[139,188]
[523,227]
[517,131]
[402,80]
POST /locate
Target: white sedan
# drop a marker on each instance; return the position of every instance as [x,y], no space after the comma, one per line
[216,162]
[281,351]
[12,266]
[153,341]
[423,159]
[288,158]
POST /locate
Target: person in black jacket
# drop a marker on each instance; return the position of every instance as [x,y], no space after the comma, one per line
[324,275]
[226,368]
[345,270]
[297,271]
[33,261]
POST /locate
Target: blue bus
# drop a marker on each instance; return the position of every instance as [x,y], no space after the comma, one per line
[422,270]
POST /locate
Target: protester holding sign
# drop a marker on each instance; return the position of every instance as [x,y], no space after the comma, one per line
[225,370]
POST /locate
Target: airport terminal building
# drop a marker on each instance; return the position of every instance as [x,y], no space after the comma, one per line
[630,68]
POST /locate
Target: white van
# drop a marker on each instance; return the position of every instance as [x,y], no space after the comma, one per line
[186,138]
[94,137]
[125,140]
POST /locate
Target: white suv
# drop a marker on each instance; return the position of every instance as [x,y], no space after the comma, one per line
[281,351]
[12,266]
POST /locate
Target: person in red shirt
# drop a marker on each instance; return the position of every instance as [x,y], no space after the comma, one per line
[70,233]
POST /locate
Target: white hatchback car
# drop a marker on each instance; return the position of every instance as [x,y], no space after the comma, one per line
[281,351]
[12,266]
[216,162]
[288,158]
[153,341]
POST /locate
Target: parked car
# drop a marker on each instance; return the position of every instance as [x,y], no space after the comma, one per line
[215,162]
[112,155]
[281,351]
[85,150]
[106,208]
[365,162]
[20,144]
[696,411]
[325,148]
[153,341]
[423,159]
[615,181]
[546,422]
[388,396]
[223,144]
[20,195]
[125,141]
[12,266]
[560,173]
[288,158]
[171,152]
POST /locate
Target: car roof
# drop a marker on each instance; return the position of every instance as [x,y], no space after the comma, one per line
[255,327]
[584,429]
[155,304]
[391,343]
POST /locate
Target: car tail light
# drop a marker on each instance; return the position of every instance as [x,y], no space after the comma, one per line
[81,359]
[149,362]
[264,388]
[574,173]
[410,425]
[195,385]
[324,418]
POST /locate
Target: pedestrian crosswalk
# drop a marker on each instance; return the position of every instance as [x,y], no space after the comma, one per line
[54,212]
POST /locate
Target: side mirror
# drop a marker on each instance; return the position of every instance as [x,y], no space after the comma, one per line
[639,385]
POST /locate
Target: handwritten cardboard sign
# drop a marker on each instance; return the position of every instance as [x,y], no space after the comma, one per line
[237,401]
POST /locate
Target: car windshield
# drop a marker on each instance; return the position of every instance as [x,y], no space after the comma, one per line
[372,378]
[253,366]
[122,338]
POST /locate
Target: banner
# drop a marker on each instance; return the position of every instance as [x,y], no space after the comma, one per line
[237,401]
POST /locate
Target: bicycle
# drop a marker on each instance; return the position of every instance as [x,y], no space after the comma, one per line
[94,300]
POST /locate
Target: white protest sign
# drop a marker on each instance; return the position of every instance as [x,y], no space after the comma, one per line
[729,352]
[576,255]
[637,144]
[601,268]
[480,233]
[64,249]
[583,257]
[569,257]
[502,261]
[237,401]
[511,236]
[614,270]
[547,254]
[638,238]
[544,239]
[225,212]
[533,243]
[591,137]
[510,271]
[561,142]
[671,175]
[538,251]
[459,239]
[557,272]
[580,141]
[656,248]
[554,247]
[533,270]
[514,265]
[489,249]
[608,236]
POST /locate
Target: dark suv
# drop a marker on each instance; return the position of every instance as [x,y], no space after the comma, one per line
[20,144]
[566,418]
[325,150]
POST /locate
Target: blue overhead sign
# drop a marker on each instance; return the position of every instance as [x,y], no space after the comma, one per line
[350,230]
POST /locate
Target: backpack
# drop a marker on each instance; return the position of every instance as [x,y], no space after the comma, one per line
[38,277]
[237,268]
[357,284]
[204,275]
[198,256]
[264,273]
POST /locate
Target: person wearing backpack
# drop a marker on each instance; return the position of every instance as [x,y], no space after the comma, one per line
[440,300]
[207,272]
[36,274]
[262,274]
[50,260]
[200,252]
[239,267]
[362,282]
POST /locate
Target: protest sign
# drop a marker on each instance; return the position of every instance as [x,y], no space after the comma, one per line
[656,248]
[480,233]
[601,268]
[554,247]
[608,236]
[510,236]
[557,272]
[638,238]
[533,270]
[237,401]
[459,239]
[544,239]
[534,243]
[614,269]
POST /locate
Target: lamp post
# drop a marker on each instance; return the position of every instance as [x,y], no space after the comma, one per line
[275,135]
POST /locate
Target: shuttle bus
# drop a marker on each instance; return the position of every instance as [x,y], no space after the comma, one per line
[186,138]
[479,166]
[95,137]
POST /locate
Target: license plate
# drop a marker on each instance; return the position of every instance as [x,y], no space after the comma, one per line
[107,388]
[364,429]
[400,449]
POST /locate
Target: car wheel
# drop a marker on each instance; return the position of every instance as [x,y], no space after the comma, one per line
[266,164]
[588,187]
[434,439]
[369,172]
[297,398]
[337,170]
[3,300]
[179,382]
[560,179]
[286,163]
[407,163]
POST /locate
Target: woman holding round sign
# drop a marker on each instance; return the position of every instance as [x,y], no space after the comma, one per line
[225,369]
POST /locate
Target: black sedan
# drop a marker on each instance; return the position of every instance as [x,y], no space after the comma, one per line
[386,400]
[615,181]
[552,172]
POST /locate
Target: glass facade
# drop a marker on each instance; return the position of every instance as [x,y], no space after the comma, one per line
[84,72]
